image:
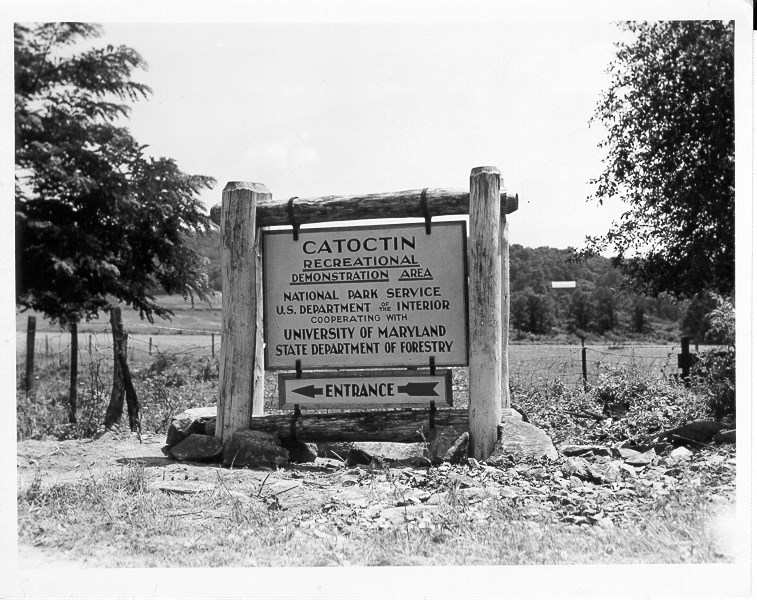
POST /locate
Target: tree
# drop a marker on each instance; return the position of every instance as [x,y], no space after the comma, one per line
[605,309]
[669,115]
[581,312]
[532,312]
[695,323]
[98,221]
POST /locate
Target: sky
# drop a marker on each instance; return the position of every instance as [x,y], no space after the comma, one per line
[314,109]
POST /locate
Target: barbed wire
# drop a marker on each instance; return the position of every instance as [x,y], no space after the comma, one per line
[550,363]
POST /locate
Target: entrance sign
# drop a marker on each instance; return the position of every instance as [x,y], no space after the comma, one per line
[347,389]
[384,296]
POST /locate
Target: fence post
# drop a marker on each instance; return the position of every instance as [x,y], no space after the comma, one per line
[90,347]
[583,365]
[149,348]
[31,329]
[73,374]
[684,360]
[485,312]
[241,366]
[212,345]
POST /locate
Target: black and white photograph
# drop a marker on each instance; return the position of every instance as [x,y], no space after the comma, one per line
[378,299]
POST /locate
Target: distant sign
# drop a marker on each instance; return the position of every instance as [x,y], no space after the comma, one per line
[366,297]
[347,389]
[563,285]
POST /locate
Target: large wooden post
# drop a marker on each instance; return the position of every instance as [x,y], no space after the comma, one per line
[485,311]
[242,375]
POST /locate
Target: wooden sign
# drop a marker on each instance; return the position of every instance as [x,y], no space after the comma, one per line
[385,296]
[347,389]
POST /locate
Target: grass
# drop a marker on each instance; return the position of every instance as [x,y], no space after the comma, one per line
[118,520]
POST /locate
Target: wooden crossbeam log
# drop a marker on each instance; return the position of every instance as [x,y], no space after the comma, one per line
[391,205]
[400,425]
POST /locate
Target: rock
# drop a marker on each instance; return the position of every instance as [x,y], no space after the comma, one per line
[511,413]
[193,420]
[473,463]
[725,437]
[660,448]
[337,450]
[576,466]
[458,452]
[628,453]
[518,438]
[408,454]
[476,493]
[607,472]
[210,427]
[440,439]
[698,431]
[642,460]
[461,481]
[358,457]
[246,448]
[681,452]
[437,498]
[197,447]
[301,452]
[583,450]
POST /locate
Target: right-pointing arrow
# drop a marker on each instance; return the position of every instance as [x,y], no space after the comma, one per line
[425,388]
[309,390]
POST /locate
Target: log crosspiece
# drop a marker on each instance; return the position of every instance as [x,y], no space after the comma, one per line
[392,205]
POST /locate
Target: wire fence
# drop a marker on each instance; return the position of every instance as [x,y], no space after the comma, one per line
[529,364]
[55,348]
[542,365]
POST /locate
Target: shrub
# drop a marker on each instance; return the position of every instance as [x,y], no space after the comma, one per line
[714,376]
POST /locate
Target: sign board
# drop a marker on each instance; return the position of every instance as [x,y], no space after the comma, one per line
[351,297]
[563,285]
[347,389]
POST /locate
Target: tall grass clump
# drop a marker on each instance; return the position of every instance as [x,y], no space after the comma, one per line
[165,385]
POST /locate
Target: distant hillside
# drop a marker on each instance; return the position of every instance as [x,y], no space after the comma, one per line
[599,306]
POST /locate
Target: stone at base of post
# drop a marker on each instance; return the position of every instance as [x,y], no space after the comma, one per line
[511,413]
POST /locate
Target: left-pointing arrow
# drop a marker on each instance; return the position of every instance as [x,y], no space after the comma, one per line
[309,390]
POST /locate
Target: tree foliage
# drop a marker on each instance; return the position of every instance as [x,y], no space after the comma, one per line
[669,115]
[98,221]
[599,304]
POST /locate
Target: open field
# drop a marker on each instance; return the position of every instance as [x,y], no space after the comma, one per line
[530,364]
[195,331]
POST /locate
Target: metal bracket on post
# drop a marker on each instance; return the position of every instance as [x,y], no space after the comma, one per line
[432,407]
[295,225]
[424,210]
[297,412]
